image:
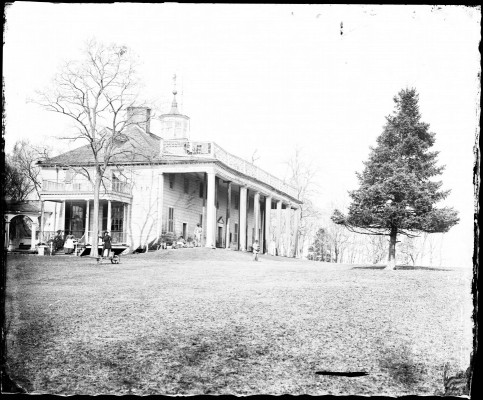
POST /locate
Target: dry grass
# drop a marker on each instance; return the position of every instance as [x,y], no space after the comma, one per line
[200,321]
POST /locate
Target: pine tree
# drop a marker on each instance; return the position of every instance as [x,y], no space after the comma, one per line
[397,190]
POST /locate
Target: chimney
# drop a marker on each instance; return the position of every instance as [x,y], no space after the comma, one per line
[140,116]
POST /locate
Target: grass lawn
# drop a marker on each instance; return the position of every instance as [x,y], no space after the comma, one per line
[202,321]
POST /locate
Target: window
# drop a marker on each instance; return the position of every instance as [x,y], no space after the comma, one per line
[201,189]
[235,240]
[171,181]
[117,217]
[117,184]
[186,184]
[170,219]
[74,219]
[236,201]
[201,219]
[104,216]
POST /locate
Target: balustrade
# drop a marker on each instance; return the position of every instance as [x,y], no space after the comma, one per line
[84,186]
[237,163]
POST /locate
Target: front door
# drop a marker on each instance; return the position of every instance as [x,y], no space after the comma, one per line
[219,241]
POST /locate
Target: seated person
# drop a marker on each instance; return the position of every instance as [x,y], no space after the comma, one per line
[181,242]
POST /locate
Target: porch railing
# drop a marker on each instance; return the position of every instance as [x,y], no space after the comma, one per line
[211,149]
[84,186]
[118,237]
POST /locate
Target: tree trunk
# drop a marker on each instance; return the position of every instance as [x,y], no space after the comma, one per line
[95,227]
[391,261]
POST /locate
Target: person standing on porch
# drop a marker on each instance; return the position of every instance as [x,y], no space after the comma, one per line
[69,243]
[198,232]
[106,247]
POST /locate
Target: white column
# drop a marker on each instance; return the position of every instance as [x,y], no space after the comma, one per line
[62,216]
[268,213]
[128,225]
[109,216]
[160,204]
[242,236]
[42,221]
[256,208]
[210,211]
[288,212]
[262,230]
[228,214]
[296,229]
[54,226]
[32,241]
[86,229]
[279,225]
[7,234]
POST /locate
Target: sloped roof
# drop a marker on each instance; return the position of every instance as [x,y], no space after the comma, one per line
[138,146]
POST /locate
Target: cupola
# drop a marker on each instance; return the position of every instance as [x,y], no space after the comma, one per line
[174,125]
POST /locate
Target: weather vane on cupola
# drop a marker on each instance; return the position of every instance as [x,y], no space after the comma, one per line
[174,125]
[174,105]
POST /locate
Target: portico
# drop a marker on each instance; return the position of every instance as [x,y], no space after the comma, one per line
[236,210]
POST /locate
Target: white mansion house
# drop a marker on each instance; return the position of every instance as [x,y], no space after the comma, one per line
[169,184]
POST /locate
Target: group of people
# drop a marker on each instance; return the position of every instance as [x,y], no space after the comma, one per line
[67,243]
[60,242]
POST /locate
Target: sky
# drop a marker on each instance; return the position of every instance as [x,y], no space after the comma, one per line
[273,78]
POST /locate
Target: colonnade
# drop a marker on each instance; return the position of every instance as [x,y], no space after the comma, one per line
[243,245]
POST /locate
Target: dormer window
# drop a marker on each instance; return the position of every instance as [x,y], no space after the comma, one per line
[68,176]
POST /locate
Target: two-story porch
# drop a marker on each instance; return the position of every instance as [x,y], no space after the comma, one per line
[72,209]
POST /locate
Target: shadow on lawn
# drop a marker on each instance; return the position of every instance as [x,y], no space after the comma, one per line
[403,268]
[185,365]
[399,363]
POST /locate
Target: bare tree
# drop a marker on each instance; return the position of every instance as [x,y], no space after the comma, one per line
[25,158]
[16,186]
[302,176]
[377,247]
[339,240]
[95,93]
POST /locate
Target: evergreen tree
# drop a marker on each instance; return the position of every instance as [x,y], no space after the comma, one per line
[321,244]
[397,190]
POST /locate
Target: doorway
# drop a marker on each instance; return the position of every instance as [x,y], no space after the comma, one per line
[219,240]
